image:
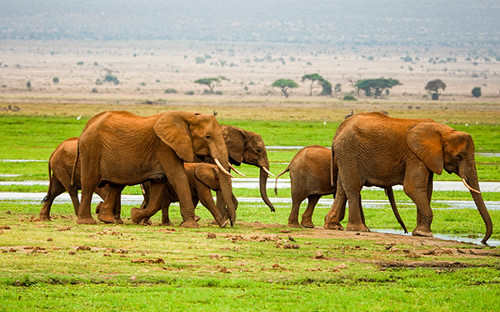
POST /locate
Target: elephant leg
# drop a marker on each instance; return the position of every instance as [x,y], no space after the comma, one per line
[176,175]
[352,186]
[117,208]
[416,186]
[206,199]
[111,204]
[73,194]
[89,184]
[337,211]
[156,200]
[312,200]
[165,219]
[55,189]
[298,197]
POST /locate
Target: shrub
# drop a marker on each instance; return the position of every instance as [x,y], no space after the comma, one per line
[28,84]
[94,90]
[80,63]
[476,92]
[218,92]
[55,80]
[170,91]
[349,97]
[190,92]
[111,78]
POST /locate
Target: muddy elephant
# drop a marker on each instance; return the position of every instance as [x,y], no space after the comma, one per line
[374,149]
[202,178]
[120,148]
[310,178]
[248,147]
[60,168]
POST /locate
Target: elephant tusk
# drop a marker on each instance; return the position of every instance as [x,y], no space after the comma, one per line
[469,187]
[217,162]
[268,172]
[235,170]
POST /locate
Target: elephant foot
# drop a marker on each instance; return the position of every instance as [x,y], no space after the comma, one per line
[224,223]
[357,228]
[106,218]
[136,215]
[166,223]
[118,221]
[421,232]
[190,224]
[307,224]
[334,226]
[88,220]
[44,217]
[293,224]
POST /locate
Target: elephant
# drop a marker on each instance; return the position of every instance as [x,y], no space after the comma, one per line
[372,149]
[310,178]
[248,147]
[120,148]
[60,168]
[202,178]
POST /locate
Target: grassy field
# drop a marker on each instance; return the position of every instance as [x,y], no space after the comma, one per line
[260,264]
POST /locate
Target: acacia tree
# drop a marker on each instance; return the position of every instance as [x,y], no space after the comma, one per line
[209,82]
[326,86]
[434,86]
[376,86]
[284,85]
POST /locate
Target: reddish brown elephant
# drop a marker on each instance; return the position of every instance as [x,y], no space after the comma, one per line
[120,148]
[60,167]
[202,178]
[248,147]
[374,149]
[310,178]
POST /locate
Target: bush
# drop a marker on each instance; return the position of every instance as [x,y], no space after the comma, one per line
[111,78]
[349,97]
[190,92]
[476,92]
[79,63]
[28,84]
[94,90]
[218,92]
[55,80]
[170,91]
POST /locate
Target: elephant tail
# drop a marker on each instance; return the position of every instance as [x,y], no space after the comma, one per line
[333,169]
[75,164]
[279,175]
[390,195]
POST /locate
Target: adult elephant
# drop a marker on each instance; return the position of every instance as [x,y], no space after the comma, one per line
[310,178]
[248,147]
[374,149]
[120,148]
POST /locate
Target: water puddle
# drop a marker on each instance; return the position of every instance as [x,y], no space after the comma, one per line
[446,237]
[7,175]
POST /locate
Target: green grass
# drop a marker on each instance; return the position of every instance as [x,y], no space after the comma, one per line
[228,273]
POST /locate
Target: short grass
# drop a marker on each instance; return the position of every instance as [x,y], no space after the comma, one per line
[61,266]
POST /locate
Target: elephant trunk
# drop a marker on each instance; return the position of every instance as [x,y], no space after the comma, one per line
[263,175]
[227,197]
[469,173]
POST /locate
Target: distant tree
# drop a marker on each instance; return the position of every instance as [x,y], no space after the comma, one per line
[476,92]
[376,86]
[284,85]
[327,87]
[28,84]
[55,80]
[209,82]
[315,78]
[434,86]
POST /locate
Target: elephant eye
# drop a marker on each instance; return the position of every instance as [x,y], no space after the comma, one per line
[207,137]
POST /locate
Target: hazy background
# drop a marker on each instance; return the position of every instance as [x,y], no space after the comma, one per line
[456,23]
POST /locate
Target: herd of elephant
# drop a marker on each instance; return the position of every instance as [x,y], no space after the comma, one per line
[182,156]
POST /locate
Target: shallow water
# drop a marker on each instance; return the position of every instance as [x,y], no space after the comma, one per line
[447,237]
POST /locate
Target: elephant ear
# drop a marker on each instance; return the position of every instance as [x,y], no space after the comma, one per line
[207,175]
[235,141]
[425,141]
[173,130]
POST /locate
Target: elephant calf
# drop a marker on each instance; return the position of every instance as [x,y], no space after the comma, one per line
[310,178]
[60,166]
[202,178]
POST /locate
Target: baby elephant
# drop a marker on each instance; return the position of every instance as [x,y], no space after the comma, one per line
[310,178]
[60,166]
[202,178]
